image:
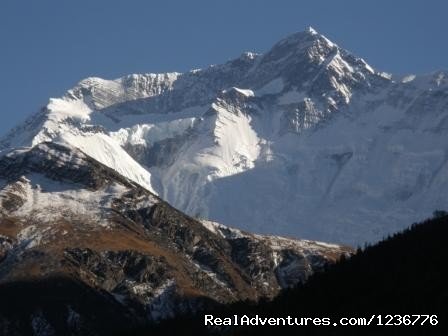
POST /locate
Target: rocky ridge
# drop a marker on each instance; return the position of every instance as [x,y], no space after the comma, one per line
[70,225]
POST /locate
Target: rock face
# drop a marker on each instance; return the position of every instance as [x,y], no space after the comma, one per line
[320,144]
[81,245]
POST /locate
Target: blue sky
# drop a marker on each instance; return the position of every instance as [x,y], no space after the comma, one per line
[46,46]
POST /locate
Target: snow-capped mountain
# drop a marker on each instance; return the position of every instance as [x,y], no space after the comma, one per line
[306,140]
[89,245]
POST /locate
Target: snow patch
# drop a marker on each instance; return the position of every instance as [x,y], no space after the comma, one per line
[408,78]
[385,75]
[149,134]
[104,149]
[61,109]
[247,93]
[31,236]
[311,30]
[47,201]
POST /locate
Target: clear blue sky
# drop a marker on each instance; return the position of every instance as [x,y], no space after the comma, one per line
[46,46]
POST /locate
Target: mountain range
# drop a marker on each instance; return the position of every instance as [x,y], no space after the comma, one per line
[306,140]
[130,201]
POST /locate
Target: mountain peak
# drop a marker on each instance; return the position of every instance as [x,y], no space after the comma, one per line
[310,30]
[249,55]
[306,107]
[304,40]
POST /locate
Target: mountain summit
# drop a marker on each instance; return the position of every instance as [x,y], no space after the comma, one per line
[306,140]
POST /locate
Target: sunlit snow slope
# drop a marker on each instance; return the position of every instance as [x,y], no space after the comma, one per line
[305,140]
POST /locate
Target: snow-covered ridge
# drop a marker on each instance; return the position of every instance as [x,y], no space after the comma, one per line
[274,242]
[101,93]
[46,199]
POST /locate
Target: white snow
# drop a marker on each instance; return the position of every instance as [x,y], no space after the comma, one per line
[376,165]
[47,200]
[212,275]
[276,243]
[148,134]
[367,66]
[355,179]
[227,147]
[311,30]
[107,151]
[102,93]
[245,92]
[385,75]
[31,236]
[250,54]
[408,78]
[61,109]
[222,230]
